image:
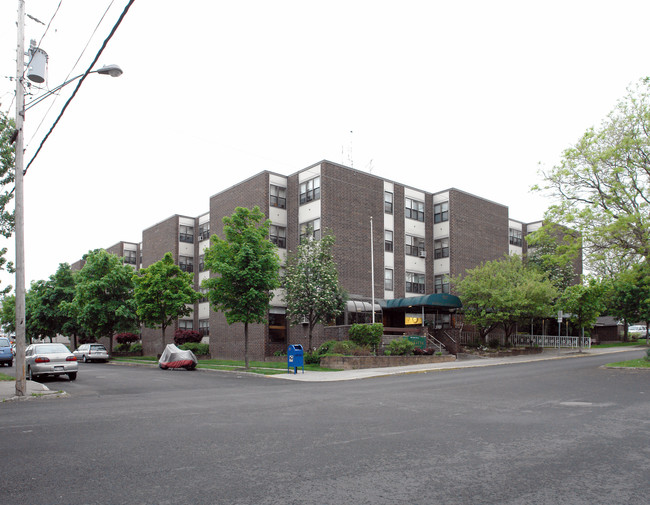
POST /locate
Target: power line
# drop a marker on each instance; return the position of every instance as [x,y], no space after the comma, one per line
[101,50]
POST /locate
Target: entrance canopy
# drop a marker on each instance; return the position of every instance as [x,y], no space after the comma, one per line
[432,301]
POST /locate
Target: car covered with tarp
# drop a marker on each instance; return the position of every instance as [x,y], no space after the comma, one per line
[173,357]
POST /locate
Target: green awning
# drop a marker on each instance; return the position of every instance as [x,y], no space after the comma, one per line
[434,301]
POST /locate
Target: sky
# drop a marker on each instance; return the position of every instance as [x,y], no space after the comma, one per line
[470,94]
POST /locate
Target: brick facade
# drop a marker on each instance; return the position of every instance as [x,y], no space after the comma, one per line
[477,231]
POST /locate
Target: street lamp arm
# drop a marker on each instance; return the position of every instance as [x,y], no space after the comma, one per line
[112,70]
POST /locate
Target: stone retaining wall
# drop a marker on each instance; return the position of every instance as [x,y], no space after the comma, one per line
[357,362]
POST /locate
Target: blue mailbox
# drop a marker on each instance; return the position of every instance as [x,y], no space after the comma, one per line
[295,358]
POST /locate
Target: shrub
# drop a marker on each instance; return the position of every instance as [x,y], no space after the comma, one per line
[343,347]
[126,338]
[123,347]
[647,355]
[87,340]
[366,335]
[493,343]
[311,358]
[400,347]
[279,353]
[429,351]
[197,348]
[136,347]
[186,336]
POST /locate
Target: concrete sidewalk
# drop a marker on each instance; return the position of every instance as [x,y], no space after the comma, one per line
[366,373]
[33,390]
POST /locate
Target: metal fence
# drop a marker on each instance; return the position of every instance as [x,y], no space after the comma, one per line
[523,340]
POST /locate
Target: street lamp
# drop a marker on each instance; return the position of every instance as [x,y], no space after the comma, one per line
[112,70]
[36,73]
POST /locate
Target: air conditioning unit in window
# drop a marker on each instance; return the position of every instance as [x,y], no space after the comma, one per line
[423,254]
[305,321]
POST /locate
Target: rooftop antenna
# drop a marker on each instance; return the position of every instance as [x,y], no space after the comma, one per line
[350,160]
[369,167]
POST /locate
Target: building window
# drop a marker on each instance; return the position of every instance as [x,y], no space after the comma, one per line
[277,328]
[204,295]
[186,234]
[414,283]
[442,284]
[204,231]
[414,209]
[201,263]
[516,237]
[388,202]
[310,190]
[278,197]
[414,246]
[388,279]
[441,212]
[185,324]
[441,248]
[204,327]
[388,241]
[315,229]
[130,257]
[278,235]
[186,263]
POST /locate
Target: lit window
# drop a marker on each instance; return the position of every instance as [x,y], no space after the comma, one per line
[310,190]
[441,212]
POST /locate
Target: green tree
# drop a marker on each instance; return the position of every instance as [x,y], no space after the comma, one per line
[163,293]
[313,293]
[553,250]
[503,293]
[628,296]
[245,264]
[602,184]
[584,302]
[7,164]
[45,303]
[8,314]
[103,301]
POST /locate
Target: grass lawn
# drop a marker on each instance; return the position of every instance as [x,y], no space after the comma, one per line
[641,341]
[5,377]
[633,363]
[260,367]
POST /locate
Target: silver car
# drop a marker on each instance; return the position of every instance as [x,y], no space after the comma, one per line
[50,359]
[91,352]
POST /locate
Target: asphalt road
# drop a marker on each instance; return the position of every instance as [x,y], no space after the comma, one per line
[564,431]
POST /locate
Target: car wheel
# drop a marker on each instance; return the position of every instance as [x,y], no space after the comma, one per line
[30,374]
[72,376]
[85,360]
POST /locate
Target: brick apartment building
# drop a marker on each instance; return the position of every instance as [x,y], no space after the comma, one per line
[420,239]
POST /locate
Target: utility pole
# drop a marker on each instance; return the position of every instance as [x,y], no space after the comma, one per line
[21,387]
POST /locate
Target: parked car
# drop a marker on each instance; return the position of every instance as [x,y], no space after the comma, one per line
[50,359]
[6,356]
[636,328]
[91,352]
